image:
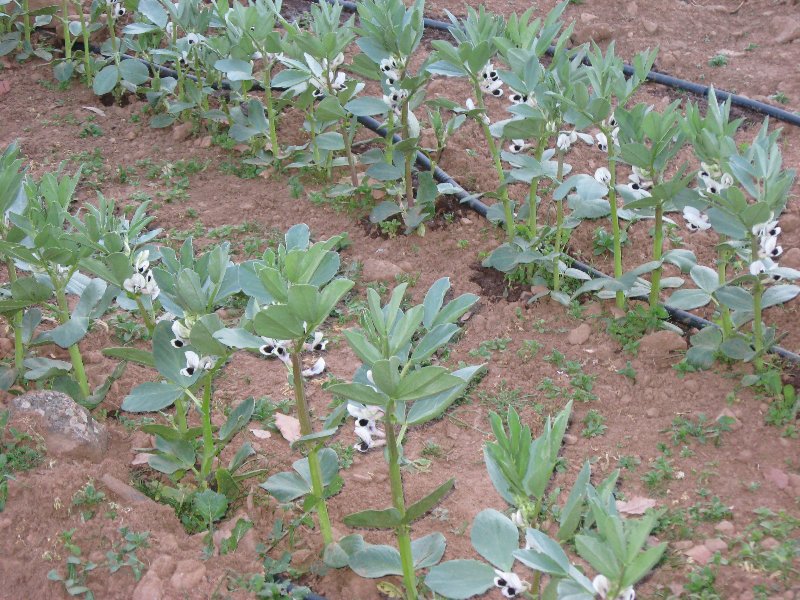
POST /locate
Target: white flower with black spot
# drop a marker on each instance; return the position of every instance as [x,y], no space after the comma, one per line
[181,333]
[602,586]
[510,584]
[195,363]
[317,344]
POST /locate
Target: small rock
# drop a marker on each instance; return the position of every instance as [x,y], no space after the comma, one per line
[770,543]
[149,588]
[691,385]
[776,477]
[699,554]
[6,346]
[716,545]
[203,142]
[650,27]
[587,17]
[181,132]
[580,334]
[465,317]
[570,440]
[466,221]
[126,493]
[378,194]
[93,357]
[725,527]
[363,477]
[733,421]
[375,269]
[790,31]
[661,345]
[188,575]
[302,558]
[651,413]
[69,429]
[598,32]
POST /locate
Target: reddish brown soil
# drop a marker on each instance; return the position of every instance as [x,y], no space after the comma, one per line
[636,413]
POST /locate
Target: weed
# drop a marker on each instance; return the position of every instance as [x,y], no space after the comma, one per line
[87,499]
[700,585]
[660,472]
[712,511]
[529,350]
[594,424]
[345,453]
[628,371]
[462,244]
[603,241]
[90,130]
[703,430]
[239,169]
[628,462]
[503,397]
[389,228]
[639,320]
[718,60]
[431,449]
[485,348]
[780,97]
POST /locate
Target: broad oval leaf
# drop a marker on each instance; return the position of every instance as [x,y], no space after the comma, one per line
[495,538]
[460,579]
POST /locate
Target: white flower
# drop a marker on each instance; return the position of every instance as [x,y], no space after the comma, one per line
[273,347]
[337,80]
[602,586]
[337,61]
[709,170]
[490,81]
[144,284]
[471,106]
[567,138]
[770,228]
[519,98]
[318,344]
[181,333]
[758,267]
[389,64]
[369,438]
[726,181]
[183,60]
[394,99]
[169,29]
[642,177]
[695,220]
[639,187]
[192,39]
[142,262]
[196,363]
[769,247]
[316,369]
[602,140]
[518,519]
[365,416]
[510,584]
[392,77]
[517,146]
[603,175]
[563,142]
[118,10]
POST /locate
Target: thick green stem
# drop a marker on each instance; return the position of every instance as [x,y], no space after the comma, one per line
[67,36]
[16,323]
[612,200]
[180,415]
[725,312]
[658,241]
[758,331]
[390,138]
[398,501]
[498,166]
[148,320]
[112,33]
[208,432]
[87,56]
[304,416]
[533,223]
[559,227]
[409,183]
[271,115]
[26,23]
[74,351]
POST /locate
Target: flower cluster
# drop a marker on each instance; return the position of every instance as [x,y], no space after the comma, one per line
[142,281]
[490,81]
[695,220]
[280,349]
[395,98]
[195,362]
[330,79]
[520,98]
[768,249]
[565,139]
[391,68]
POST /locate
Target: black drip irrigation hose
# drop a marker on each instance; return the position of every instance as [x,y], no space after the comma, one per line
[464,197]
[654,76]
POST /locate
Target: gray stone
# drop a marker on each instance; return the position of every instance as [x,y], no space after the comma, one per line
[579,335]
[68,428]
[661,344]
[126,493]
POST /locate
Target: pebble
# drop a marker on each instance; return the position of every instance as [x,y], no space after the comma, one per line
[149,588]
[651,413]
[699,554]
[579,335]
[375,269]
[181,132]
[466,221]
[725,527]
[716,545]
[163,566]
[126,493]
[777,477]
[570,440]
[650,27]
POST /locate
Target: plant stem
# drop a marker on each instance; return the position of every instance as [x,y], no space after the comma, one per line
[758,332]
[498,166]
[390,138]
[409,183]
[533,224]
[16,323]
[180,414]
[208,432]
[148,320]
[26,20]
[725,312]
[87,63]
[612,201]
[559,226]
[398,501]
[304,417]
[271,116]
[658,241]
[74,351]
[67,37]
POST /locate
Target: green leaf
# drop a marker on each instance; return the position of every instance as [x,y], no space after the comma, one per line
[134,71]
[106,80]
[210,505]
[149,397]
[360,393]
[428,550]
[689,299]
[598,553]
[330,140]
[706,278]
[460,579]
[153,10]
[238,338]
[280,322]
[287,486]
[426,381]
[231,543]
[642,564]
[376,561]
[238,418]
[420,507]
[388,518]
[433,340]
[367,106]
[495,538]
[136,355]
[337,554]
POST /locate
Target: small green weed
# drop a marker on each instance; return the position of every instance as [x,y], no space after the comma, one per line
[594,424]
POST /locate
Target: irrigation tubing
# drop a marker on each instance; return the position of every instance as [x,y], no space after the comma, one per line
[464,197]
